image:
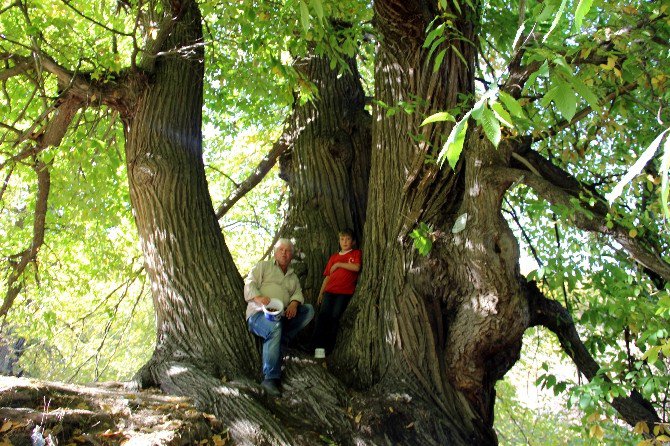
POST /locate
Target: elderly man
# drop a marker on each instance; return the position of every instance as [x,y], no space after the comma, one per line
[275,279]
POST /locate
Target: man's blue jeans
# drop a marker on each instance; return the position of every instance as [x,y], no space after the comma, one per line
[276,333]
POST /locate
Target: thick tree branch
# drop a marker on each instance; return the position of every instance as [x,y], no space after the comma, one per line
[519,74]
[560,188]
[114,94]
[552,315]
[252,180]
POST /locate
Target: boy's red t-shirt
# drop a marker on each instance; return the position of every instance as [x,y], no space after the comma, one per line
[342,281]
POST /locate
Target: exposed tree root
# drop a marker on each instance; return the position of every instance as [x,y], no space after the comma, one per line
[315,408]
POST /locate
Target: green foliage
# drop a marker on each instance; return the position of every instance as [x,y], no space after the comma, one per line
[85,307]
[526,414]
[421,236]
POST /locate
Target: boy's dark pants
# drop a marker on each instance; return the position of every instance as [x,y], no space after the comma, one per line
[327,322]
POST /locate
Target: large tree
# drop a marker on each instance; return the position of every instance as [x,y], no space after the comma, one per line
[429,331]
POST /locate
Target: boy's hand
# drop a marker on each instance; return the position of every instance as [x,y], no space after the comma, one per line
[319,299]
[291,310]
[334,267]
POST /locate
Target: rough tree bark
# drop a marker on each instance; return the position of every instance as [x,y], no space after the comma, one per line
[203,350]
[446,327]
[195,285]
[327,166]
[425,338]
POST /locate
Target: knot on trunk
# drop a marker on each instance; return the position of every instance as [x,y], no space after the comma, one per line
[341,147]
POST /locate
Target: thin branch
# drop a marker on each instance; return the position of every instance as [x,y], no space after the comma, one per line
[30,255]
[102,25]
[560,126]
[552,315]
[18,69]
[11,5]
[252,180]
[6,182]
[524,234]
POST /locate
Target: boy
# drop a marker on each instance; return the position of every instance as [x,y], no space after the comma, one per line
[338,286]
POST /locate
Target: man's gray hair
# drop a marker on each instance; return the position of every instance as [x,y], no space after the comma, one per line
[284,242]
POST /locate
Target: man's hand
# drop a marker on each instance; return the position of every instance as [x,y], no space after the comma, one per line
[292,309]
[262,300]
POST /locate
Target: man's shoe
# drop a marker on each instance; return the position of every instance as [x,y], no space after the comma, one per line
[271,386]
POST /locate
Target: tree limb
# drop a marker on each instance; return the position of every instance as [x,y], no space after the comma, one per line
[51,136]
[519,74]
[559,187]
[550,314]
[562,125]
[252,180]
[113,94]
[30,254]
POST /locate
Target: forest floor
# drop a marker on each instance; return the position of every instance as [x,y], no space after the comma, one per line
[46,413]
[315,409]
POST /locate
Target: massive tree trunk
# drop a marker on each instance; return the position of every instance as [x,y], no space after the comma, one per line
[195,285]
[444,327]
[326,167]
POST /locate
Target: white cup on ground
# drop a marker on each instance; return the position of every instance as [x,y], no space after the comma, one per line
[319,353]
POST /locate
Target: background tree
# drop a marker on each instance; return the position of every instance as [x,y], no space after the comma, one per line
[439,329]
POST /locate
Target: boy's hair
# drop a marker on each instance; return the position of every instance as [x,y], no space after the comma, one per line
[347,231]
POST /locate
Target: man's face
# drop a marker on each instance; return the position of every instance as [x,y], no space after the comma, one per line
[283,255]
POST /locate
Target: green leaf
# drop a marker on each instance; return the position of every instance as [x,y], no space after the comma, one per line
[421,236]
[478,109]
[438,117]
[585,401]
[304,15]
[557,18]
[438,60]
[435,45]
[502,114]
[582,9]
[454,146]
[566,101]
[584,91]
[651,355]
[491,126]
[637,167]
[433,34]
[318,8]
[542,71]
[460,56]
[512,105]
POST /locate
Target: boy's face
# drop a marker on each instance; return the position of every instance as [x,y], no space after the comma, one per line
[346,242]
